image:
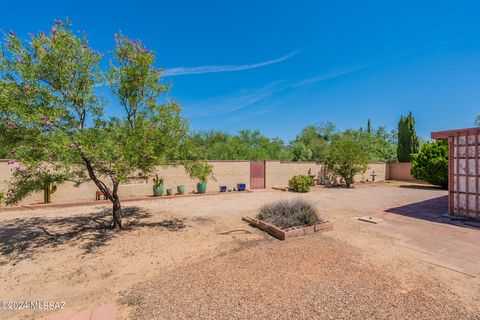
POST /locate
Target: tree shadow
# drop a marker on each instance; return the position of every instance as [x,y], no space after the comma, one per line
[434,210]
[22,238]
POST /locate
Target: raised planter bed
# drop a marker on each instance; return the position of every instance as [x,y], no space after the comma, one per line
[284,234]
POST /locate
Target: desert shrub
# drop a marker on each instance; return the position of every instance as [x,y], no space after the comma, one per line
[285,214]
[300,183]
[347,158]
[431,163]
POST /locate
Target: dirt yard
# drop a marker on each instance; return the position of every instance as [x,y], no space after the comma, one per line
[195,258]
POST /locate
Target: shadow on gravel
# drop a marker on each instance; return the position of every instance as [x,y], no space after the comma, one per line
[23,238]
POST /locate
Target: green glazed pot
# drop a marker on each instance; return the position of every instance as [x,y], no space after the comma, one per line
[201,187]
[169,191]
[158,190]
[181,189]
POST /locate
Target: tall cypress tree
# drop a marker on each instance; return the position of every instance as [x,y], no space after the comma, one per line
[407,138]
[369,126]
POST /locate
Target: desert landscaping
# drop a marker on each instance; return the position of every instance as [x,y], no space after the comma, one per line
[240,160]
[195,258]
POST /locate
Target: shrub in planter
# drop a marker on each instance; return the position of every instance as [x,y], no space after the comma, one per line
[202,171]
[286,214]
[300,183]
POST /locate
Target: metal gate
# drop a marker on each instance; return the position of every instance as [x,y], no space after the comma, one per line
[257,174]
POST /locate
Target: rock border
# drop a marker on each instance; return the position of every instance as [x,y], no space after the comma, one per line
[284,234]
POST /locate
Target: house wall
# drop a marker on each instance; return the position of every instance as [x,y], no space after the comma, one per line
[464,175]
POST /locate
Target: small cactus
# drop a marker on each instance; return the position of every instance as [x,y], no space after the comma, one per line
[48,189]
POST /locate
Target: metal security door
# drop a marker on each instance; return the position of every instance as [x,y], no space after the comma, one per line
[257,175]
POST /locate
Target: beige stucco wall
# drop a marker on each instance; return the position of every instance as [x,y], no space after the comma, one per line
[227,173]
[400,171]
[278,173]
[379,169]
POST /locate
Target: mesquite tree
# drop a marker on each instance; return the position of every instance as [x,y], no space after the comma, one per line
[347,158]
[408,142]
[58,125]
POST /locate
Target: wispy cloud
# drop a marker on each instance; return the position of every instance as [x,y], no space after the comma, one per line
[224,68]
[264,95]
[345,70]
[254,114]
[227,104]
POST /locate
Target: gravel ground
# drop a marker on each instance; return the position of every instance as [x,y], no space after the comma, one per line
[314,277]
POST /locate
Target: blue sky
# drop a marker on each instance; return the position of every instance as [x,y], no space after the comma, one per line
[280,65]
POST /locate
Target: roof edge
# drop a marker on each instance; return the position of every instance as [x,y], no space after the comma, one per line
[444,135]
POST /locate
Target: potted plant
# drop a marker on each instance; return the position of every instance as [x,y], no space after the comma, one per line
[181,189]
[241,186]
[157,186]
[200,170]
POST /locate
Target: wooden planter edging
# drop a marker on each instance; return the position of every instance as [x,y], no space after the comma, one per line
[284,234]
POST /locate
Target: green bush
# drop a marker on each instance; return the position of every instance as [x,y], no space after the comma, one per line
[300,183]
[347,158]
[431,164]
[200,170]
[286,214]
[2,196]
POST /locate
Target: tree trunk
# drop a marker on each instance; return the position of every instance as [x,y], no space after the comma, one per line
[113,196]
[117,213]
[117,207]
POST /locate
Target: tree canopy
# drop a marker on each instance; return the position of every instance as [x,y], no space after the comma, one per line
[246,145]
[347,157]
[56,124]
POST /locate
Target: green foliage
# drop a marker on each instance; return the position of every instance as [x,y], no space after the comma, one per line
[52,112]
[408,142]
[431,164]
[286,214]
[377,144]
[246,145]
[347,158]
[313,142]
[158,181]
[200,170]
[28,179]
[300,183]
[2,196]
